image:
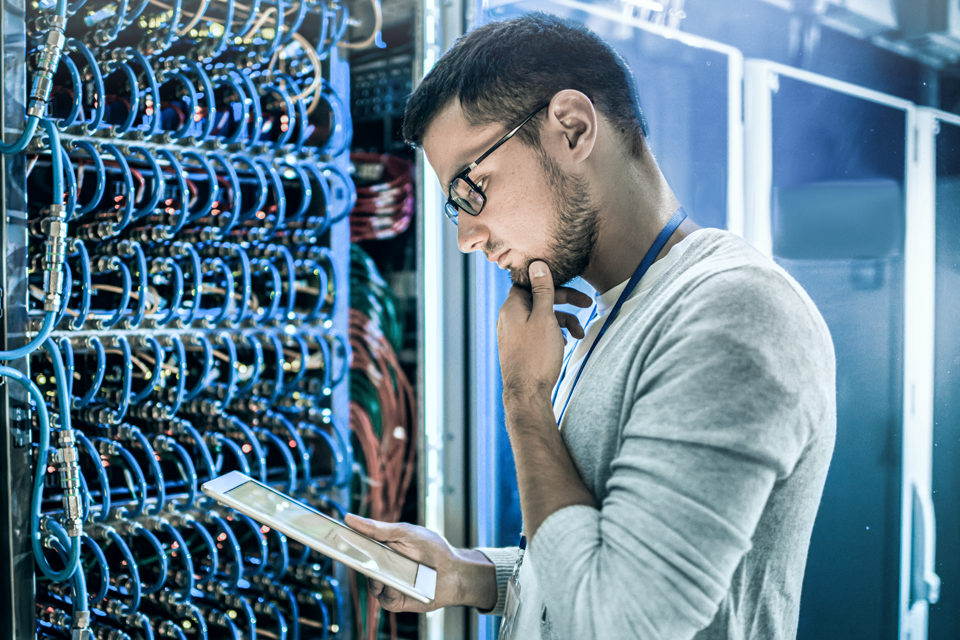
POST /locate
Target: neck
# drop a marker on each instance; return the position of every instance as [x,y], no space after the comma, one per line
[636,204]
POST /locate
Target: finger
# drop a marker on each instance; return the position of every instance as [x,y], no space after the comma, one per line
[374,587]
[571,323]
[382,531]
[566,295]
[541,286]
[391,599]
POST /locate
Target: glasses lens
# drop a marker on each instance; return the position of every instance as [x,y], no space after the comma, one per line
[467,198]
[451,210]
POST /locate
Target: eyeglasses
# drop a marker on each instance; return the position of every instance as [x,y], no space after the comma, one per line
[463,194]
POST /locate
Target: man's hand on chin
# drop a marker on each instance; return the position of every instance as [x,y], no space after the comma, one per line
[529,335]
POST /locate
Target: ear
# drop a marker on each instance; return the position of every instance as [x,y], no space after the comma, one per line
[571,125]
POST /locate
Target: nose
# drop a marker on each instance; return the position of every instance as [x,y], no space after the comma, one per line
[471,236]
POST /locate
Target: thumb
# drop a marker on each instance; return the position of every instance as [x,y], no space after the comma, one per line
[382,531]
[541,286]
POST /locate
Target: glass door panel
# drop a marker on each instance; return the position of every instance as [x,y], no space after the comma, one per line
[945,614]
[838,220]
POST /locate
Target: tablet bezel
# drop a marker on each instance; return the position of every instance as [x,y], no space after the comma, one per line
[424,589]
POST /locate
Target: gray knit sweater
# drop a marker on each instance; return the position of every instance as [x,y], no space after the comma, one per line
[704,430]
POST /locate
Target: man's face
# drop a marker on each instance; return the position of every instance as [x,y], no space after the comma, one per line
[533,211]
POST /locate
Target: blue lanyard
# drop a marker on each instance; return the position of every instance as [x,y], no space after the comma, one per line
[678,217]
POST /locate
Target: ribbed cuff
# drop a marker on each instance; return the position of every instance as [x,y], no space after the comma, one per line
[504,560]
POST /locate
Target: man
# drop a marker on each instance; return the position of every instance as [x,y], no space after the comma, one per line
[677,497]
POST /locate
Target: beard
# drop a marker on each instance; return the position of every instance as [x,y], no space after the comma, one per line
[577,222]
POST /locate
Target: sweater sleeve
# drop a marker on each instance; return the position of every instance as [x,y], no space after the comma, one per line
[504,560]
[717,418]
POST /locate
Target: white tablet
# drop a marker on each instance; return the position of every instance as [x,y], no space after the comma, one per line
[328,536]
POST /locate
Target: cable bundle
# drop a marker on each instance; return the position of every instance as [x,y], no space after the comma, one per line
[382,409]
[384,208]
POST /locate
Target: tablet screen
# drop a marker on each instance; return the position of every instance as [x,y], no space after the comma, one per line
[313,524]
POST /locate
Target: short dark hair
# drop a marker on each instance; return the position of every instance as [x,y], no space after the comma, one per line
[502,71]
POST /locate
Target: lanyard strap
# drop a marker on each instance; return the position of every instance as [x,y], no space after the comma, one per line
[678,217]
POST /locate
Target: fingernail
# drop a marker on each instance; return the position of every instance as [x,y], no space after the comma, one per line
[538,270]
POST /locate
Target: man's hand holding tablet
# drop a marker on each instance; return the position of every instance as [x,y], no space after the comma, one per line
[465,577]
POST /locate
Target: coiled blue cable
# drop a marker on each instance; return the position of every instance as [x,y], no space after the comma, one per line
[212,554]
[235,450]
[134,590]
[302,453]
[336,454]
[141,308]
[184,127]
[257,365]
[131,465]
[85,285]
[100,102]
[121,411]
[233,215]
[231,382]
[101,559]
[155,375]
[255,447]
[279,197]
[228,285]
[277,571]
[345,195]
[125,286]
[278,366]
[126,213]
[245,290]
[314,169]
[177,287]
[134,108]
[184,553]
[283,136]
[193,66]
[229,543]
[256,121]
[261,192]
[104,513]
[154,124]
[290,270]
[291,383]
[70,179]
[181,184]
[288,459]
[197,271]
[155,470]
[204,209]
[187,472]
[118,20]
[263,549]
[161,555]
[276,290]
[180,355]
[101,177]
[201,445]
[98,374]
[77,106]
[156,186]
[207,367]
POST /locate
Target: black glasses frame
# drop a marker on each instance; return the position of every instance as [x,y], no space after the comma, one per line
[453,205]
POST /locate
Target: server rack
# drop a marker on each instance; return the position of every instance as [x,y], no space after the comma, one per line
[327,407]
